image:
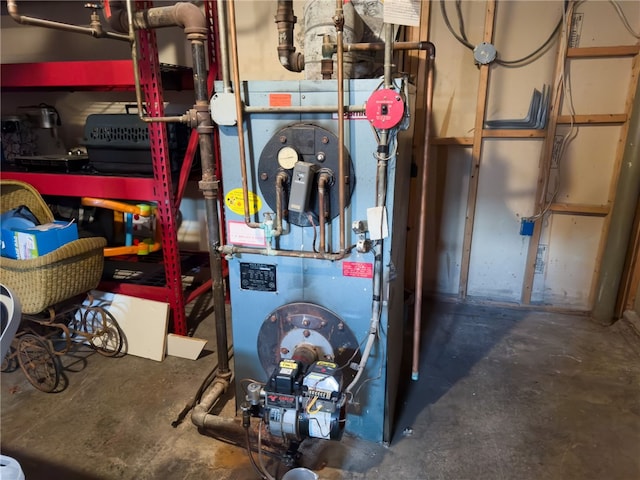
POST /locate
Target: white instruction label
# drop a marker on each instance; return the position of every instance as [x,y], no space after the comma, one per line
[402,12]
[240,233]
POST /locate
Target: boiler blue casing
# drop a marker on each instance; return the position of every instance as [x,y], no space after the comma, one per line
[329,284]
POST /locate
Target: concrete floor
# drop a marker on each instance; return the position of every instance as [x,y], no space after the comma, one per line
[503,394]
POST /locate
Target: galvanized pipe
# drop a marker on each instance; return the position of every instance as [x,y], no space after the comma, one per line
[621,224]
[201,416]
[95,30]
[422,226]
[223,45]
[304,109]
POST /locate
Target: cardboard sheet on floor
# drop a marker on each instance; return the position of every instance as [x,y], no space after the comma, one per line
[184,347]
[143,322]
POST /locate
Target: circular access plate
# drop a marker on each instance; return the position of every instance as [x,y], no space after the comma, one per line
[314,145]
[302,323]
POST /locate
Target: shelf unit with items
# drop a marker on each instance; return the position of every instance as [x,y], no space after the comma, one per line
[118,75]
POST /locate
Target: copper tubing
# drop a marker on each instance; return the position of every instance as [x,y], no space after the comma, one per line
[417,313]
[323,180]
[339,23]
[233,35]
[359,47]
[281,178]
[233,249]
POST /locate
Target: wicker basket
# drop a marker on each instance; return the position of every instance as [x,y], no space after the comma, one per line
[44,281]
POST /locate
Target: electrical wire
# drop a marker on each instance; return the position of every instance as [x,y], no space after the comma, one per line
[564,80]
[249,450]
[445,17]
[260,461]
[315,231]
[462,37]
[623,18]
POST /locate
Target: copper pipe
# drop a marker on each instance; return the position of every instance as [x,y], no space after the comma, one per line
[339,23]
[375,46]
[322,184]
[417,312]
[303,109]
[236,88]
[233,249]
[281,178]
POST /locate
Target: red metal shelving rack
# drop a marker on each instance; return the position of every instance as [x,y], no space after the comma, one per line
[118,75]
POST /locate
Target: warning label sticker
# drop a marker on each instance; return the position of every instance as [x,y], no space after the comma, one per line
[357,269]
[279,99]
[239,233]
[235,201]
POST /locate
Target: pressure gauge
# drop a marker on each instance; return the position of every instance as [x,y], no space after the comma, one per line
[287,157]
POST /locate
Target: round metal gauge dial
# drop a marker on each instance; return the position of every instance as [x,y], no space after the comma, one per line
[287,157]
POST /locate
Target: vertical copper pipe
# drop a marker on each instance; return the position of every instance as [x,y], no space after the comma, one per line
[417,312]
[322,188]
[281,179]
[339,22]
[236,88]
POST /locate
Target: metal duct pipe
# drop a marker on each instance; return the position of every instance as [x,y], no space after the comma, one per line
[95,30]
[285,20]
[621,224]
[422,226]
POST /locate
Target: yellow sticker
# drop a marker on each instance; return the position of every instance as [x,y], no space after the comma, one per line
[235,201]
[288,364]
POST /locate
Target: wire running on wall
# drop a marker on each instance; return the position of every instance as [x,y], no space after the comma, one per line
[462,37]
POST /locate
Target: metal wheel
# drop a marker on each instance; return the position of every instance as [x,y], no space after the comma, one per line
[37,362]
[103,331]
[10,362]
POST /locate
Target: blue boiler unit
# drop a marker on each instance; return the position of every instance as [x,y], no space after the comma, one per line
[317,332]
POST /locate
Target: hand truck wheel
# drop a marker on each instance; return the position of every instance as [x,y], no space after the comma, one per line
[38,363]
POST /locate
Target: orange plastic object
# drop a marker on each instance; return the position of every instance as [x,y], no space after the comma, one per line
[137,246]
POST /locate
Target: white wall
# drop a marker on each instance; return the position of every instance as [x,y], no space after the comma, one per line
[508,167]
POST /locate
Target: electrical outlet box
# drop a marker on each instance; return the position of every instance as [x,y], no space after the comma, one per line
[526,227]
